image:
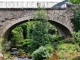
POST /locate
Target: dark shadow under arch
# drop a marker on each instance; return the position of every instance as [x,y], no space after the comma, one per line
[63,31]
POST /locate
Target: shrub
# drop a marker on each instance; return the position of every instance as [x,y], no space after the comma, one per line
[66,50]
[6,45]
[76,37]
[74,1]
[21,53]
[76,20]
[25,44]
[49,48]
[40,53]
[67,41]
[1,40]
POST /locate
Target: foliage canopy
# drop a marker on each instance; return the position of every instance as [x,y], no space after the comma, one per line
[74,1]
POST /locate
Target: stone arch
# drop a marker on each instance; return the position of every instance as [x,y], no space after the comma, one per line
[63,31]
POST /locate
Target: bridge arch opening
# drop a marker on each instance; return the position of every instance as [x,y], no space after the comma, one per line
[62,30]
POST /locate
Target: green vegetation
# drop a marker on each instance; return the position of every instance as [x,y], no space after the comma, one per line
[68,51]
[76,37]
[6,45]
[76,21]
[40,53]
[38,31]
[74,1]
[36,38]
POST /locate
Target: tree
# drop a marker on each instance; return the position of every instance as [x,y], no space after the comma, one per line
[37,31]
[76,21]
[40,30]
[74,1]
[16,36]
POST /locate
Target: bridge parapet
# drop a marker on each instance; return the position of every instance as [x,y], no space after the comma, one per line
[30,4]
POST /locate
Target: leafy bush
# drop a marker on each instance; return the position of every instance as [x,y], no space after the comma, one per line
[66,50]
[16,36]
[66,47]
[57,37]
[25,44]
[40,30]
[74,1]
[21,53]
[76,20]
[76,37]
[40,53]
[49,48]
[1,40]
[6,45]
[67,41]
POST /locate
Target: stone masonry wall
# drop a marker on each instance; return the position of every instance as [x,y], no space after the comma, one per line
[10,17]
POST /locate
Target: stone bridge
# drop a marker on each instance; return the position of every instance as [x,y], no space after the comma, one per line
[15,13]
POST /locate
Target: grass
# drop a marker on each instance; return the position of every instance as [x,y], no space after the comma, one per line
[8,59]
[68,51]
